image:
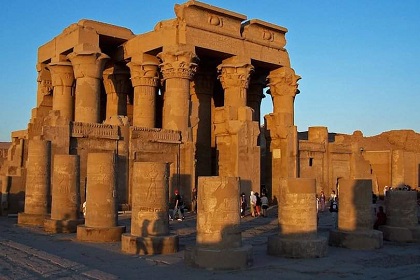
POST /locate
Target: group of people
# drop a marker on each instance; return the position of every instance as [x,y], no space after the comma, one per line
[257,205]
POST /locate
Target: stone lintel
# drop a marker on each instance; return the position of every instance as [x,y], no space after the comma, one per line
[299,248]
[210,18]
[25,219]
[264,33]
[62,226]
[94,130]
[357,240]
[91,234]
[107,29]
[219,259]
[151,245]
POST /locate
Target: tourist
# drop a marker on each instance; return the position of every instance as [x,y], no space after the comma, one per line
[178,207]
[322,201]
[333,196]
[264,205]
[334,211]
[194,200]
[258,205]
[243,204]
[252,203]
[385,190]
[380,218]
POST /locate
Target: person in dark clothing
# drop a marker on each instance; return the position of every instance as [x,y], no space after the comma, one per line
[380,218]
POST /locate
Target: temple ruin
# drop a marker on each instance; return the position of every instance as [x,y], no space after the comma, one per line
[188,94]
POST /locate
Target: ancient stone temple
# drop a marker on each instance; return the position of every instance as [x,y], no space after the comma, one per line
[187,93]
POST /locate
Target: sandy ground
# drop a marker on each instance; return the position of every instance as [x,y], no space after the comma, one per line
[30,253]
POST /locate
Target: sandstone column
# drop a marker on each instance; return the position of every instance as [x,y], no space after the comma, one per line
[62,81]
[117,86]
[150,213]
[281,133]
[236,133]
[101,221]
[401,217]
[219,241]
[145,80]
[297,215]
[201,119]
[65,205]
[88,67]
[37,183]
[255,95]
[4,200]
[355,227]
[178,69]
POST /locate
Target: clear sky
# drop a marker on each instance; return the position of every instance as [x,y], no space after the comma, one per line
[359,59]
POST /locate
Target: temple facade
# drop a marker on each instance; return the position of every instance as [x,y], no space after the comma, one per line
[188,94]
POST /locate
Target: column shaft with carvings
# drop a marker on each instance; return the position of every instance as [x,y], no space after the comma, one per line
[117,86]
[65,204]
[88,70]
[37,183]
[101,201]
[281,133]
[145,79]
[62,81]
[150,212]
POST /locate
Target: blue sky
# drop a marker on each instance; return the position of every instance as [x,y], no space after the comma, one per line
[359,60]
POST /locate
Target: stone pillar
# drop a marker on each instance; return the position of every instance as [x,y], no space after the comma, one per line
[355,229]
[145,80]
[281,135]
[37,183]
[236,133]
[150,213]
[88,68]
[201,119]
[178,69]
[219,241]
[65,205]
[255,95]
[401,217]
[117,86]
[101,221]
[62,81]
[297,215]
[4,200]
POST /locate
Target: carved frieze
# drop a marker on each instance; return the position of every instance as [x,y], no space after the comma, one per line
[95,130]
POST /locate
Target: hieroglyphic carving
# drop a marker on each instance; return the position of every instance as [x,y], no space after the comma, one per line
[96,130]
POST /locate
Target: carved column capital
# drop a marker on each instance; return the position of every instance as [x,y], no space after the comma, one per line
[88,64]
[235,75]
[144,73]
[61,74]
[180,64]
[116,80]
[44,79]
[283,81]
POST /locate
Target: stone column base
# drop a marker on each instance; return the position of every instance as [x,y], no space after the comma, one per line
[31,219]
[315,247]
[62,226]
[358,240]
[400,234]
[219,259]
[151,245]
[90,234]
